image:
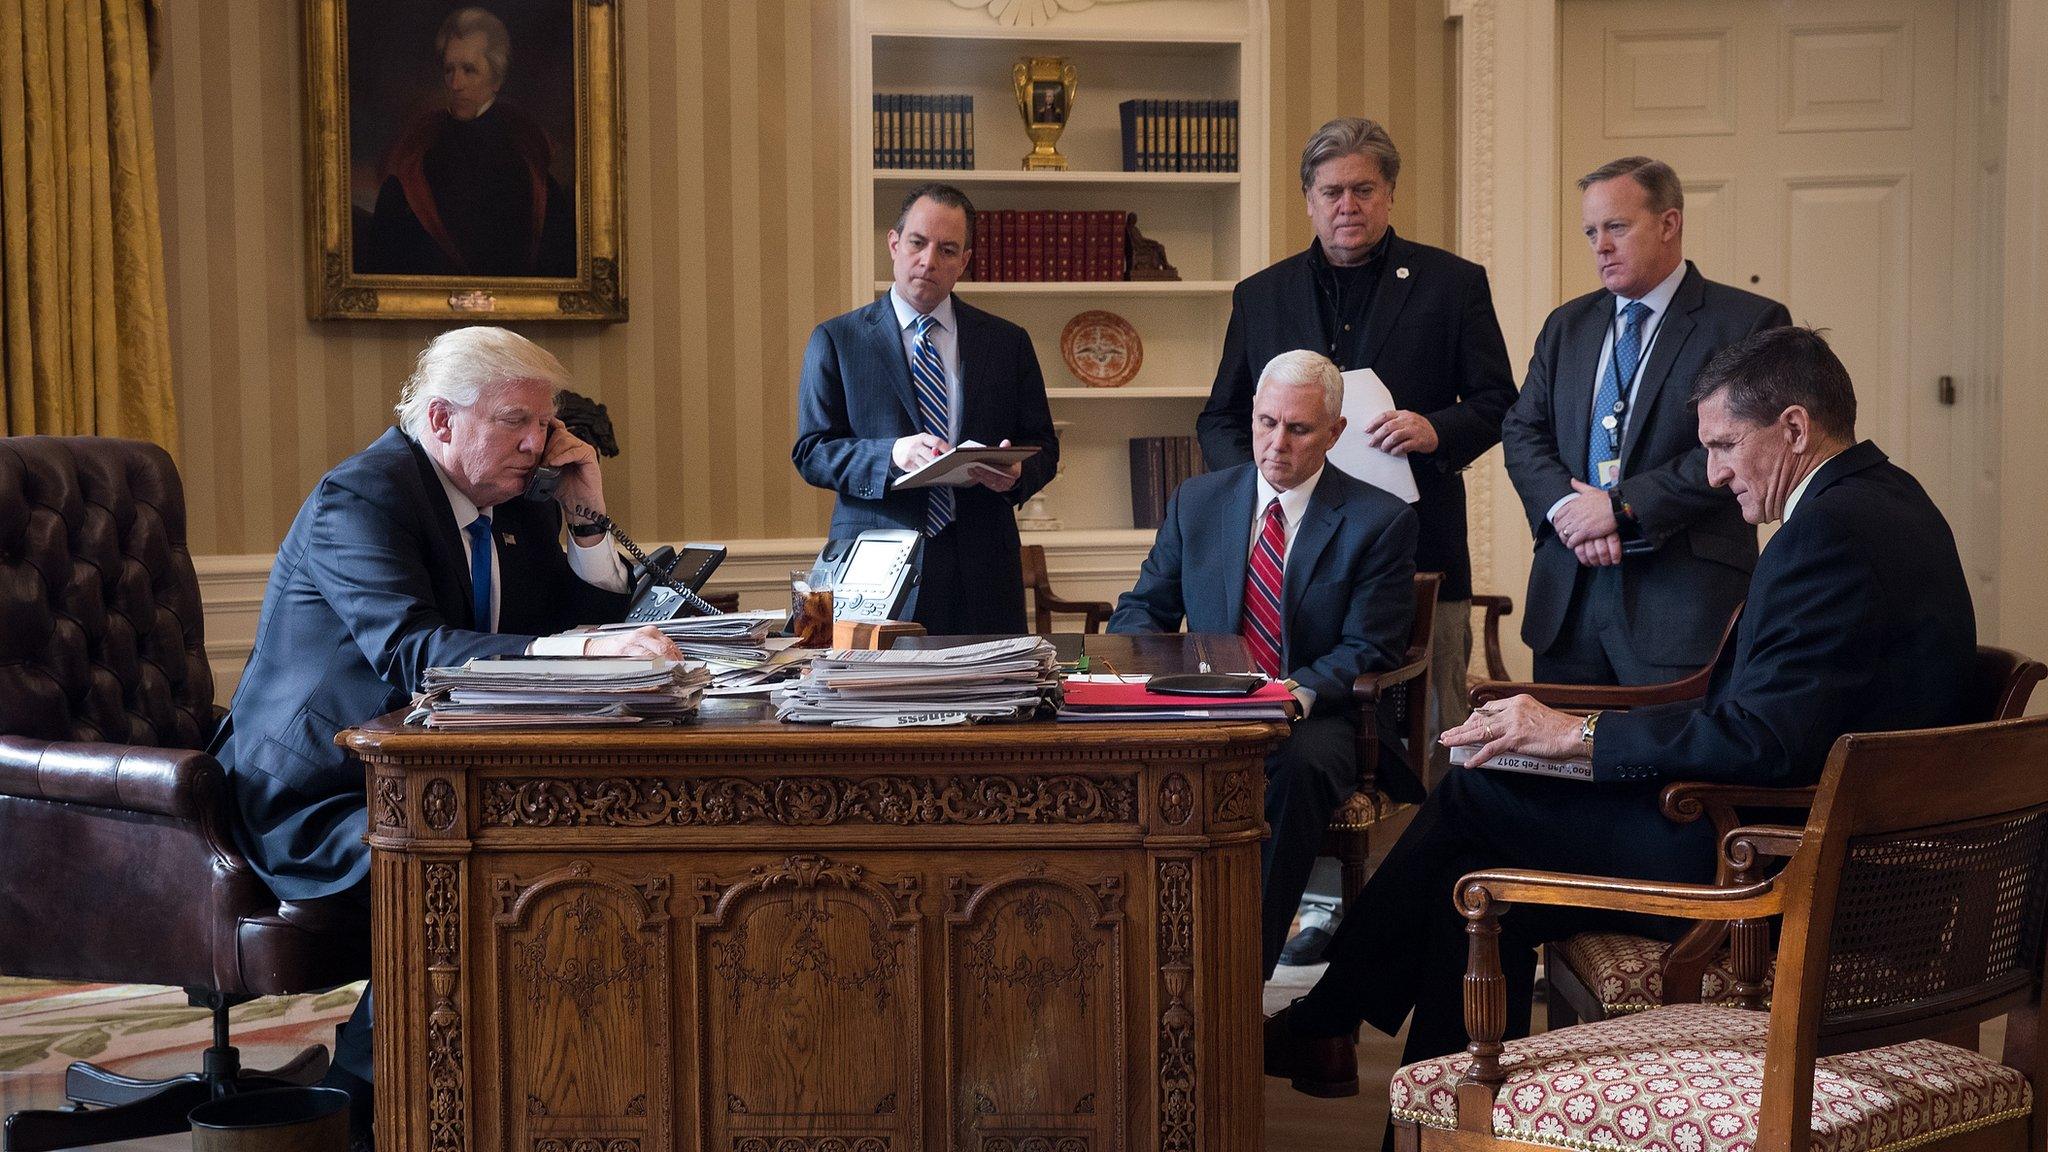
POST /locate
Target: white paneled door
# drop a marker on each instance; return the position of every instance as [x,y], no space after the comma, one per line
[1827,151]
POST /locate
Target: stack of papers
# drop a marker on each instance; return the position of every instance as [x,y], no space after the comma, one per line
[1127,698]
[1012,679]
[556,691]
[737,646]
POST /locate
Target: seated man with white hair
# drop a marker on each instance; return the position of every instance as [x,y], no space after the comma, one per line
[1314,569]
[414,553]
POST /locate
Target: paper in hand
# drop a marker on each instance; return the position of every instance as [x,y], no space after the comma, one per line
[1365,397]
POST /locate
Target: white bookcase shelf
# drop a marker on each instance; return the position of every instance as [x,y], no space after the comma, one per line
[983,288]
[1212,224]
[971,179]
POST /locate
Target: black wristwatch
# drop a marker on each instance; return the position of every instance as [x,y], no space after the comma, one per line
[586,531]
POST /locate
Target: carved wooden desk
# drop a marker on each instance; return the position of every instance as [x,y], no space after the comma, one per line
[743,936]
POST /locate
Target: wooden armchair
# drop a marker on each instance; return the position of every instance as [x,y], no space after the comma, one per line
[1910,916]
[1045,602]
[1405,688]
[1492,609]
[1598,975]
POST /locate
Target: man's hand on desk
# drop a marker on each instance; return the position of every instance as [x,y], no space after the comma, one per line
[997,479]
[913,452]
[643,641]
[1517,724]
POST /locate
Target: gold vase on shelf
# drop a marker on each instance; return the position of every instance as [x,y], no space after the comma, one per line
[1045,96]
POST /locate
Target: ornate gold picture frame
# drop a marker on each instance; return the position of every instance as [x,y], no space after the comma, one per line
[463,162]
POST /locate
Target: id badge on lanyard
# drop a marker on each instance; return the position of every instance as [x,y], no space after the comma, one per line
[1607,473]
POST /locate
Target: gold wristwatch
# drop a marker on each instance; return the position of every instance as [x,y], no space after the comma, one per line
[1586,727]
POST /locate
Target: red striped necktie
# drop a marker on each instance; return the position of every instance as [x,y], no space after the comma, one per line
[1264,587]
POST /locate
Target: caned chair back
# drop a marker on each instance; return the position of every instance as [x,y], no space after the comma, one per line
[1915,905]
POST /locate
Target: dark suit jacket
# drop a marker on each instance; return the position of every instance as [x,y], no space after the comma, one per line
[1349,598]
[1432,337]
[1676,598]
[1858,620]
[856,400]
[369,590]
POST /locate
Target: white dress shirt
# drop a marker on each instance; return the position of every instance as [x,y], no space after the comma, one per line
[596,564]
[1658,301]
[1799,489]
[1293,503]
[946,340]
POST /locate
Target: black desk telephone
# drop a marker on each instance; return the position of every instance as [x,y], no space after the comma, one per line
[665,584]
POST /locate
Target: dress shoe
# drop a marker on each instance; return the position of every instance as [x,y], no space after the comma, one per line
[1316,1065]
[1306,947]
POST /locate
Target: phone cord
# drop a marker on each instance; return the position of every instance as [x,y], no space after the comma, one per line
[696,603]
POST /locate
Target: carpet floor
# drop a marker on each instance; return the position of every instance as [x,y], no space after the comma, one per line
[146,1031]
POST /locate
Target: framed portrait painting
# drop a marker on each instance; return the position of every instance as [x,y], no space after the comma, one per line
[462,160]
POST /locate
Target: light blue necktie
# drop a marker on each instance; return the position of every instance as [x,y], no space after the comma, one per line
[1604,443]
[929,377]
[480,553]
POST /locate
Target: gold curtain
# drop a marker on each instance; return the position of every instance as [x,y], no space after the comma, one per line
[84,336]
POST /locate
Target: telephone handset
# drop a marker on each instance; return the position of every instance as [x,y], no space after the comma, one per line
[656,594]
[543,484]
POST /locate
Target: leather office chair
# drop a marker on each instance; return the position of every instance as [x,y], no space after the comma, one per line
[117,862]
[1045,602]
[1406,689]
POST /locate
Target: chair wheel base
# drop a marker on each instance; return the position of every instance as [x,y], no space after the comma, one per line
[125,1108]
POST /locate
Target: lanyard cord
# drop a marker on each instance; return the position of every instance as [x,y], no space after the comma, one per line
[1621,402]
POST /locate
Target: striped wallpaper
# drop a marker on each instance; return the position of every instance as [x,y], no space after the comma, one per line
[736,161]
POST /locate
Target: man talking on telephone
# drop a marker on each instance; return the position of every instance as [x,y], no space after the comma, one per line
[419,551]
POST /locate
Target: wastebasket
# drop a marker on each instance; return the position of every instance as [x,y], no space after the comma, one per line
[273,1120]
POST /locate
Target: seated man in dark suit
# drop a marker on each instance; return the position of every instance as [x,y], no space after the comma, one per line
[414,553]
[1315,570]
[1858,620]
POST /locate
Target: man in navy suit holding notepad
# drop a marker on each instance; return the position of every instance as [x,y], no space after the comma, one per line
[1858,620]
[891,386]
[1315,570]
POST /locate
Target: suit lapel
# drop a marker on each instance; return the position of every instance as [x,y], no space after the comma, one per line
[966,321]
[885,346]
[444,536]
[1318,527]
[1387,299]
[1671,336]
[1236,514]
[1577,363]
[1296,313]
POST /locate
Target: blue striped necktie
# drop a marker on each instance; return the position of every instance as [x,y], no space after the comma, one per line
[929,377]
[1604,443]
[480,556]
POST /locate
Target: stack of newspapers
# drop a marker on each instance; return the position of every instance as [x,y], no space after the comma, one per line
[1012,679]
[558,691]
[736,646]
